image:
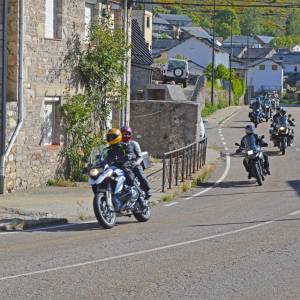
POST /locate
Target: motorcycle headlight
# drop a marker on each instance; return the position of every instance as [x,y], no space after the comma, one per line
[94,172]
[250,152]
[282,128]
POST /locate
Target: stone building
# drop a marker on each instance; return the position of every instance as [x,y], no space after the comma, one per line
[38,31]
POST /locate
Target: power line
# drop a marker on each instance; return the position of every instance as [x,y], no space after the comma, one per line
[269,5]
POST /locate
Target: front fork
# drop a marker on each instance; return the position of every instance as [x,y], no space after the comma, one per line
[109,197]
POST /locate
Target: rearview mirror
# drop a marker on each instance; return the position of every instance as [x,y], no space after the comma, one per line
[262,136]
[237,144]
[293,119]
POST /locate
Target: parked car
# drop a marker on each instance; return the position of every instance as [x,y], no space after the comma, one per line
[176,70]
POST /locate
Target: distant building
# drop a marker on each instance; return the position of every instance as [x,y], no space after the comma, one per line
[265,75]
[144,19]
[198,52]
[176,20]
[253,54]
[141,62]
[290,62]
[264,40]
[242,41]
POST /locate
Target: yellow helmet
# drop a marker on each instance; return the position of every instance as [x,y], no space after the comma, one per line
[113,136]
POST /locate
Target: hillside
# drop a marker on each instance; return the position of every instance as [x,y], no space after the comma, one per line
[271,20]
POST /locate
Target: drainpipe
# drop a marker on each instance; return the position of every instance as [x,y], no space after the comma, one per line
[4,94]
[6,152]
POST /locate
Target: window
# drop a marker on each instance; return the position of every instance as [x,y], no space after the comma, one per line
[274,67]
[262,67]
[148,22]
[295,69]
[51,124]
[88,18]
[53,19]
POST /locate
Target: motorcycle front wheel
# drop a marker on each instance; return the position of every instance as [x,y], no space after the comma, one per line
[105,216]
[257,172]
[144,215]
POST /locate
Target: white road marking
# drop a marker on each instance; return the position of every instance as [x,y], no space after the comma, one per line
[226,148]
[216,183]
[297,212]
[171,204]
[136,253]
[222,139]
[224,143]
[297,149]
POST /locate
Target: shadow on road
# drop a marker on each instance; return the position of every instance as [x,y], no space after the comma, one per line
[71,227]
[295,184]
[246,222]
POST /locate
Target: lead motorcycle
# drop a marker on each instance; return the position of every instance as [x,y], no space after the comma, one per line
[106,181]
[255,160]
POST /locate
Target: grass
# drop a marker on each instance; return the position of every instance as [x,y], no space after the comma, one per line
[167,198]
[209,109]
[61,182]
[186,186]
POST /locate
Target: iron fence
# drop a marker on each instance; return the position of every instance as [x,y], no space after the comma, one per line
[180,164]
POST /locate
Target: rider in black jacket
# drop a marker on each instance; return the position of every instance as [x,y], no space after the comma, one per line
[250,135]
[117,155]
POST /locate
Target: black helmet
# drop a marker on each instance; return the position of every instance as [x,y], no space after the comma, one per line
[249,129]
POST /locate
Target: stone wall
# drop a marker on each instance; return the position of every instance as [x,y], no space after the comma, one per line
[1,63]
[140,77]
[30,163]
[161,126]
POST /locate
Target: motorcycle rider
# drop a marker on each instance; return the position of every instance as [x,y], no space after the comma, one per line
[133,150]
[251,136]
[116,155]
[255,106]
[290,123]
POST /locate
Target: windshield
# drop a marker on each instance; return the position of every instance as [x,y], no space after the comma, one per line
[250,143]
[283,121]
[174,64]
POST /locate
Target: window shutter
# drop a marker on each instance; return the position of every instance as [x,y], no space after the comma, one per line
[49,19]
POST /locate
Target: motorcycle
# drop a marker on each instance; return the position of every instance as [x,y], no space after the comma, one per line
[106,181]
[267,112]
[255,161]
[280,134]
[256,117]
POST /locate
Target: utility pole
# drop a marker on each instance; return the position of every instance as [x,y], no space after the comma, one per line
[230,64]
[213,58]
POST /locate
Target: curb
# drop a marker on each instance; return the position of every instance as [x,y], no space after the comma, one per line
[19,224]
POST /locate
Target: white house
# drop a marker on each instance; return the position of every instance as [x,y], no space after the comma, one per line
[198,51]
[289,61]
[265,75]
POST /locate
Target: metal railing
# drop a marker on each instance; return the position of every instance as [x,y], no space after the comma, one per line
[180,164]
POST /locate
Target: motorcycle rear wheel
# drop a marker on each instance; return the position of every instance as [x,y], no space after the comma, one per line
[105,217]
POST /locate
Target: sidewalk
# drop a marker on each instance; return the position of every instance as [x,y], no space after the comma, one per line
[53,205]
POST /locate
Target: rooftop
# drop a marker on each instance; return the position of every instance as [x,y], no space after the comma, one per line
[265,38]
[241,39]
[290,58]
[140,51]
[171,17]
[197,32]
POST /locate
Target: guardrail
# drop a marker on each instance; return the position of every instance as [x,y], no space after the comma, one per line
[180,164]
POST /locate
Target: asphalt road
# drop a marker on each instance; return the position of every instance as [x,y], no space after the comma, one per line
[235,240]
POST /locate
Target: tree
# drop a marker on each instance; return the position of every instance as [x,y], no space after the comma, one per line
[285,41]
[224,20]
[95,68]
[251,21]
[293,23]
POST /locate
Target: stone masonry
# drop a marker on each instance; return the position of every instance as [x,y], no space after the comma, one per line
[161,126]
[31,163]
